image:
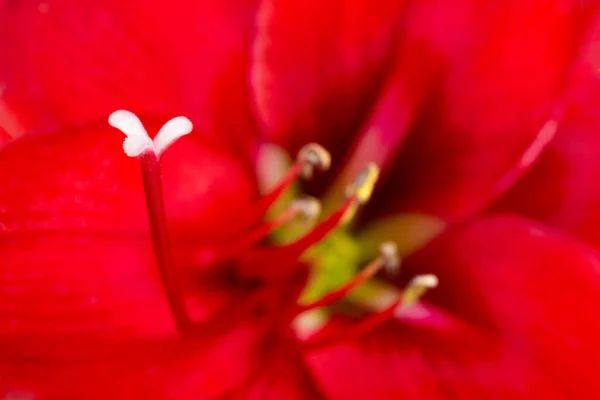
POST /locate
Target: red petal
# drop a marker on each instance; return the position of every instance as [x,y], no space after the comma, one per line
[4,136]
[515,317]
[281,375]
[71,62]
[165,368]
[319,66]
[74,239]
[499,87]
[562,188]
[418,68]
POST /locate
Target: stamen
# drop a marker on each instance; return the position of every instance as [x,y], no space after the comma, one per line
[361,190]
[306,324]
[367,324]
[267,200]
[413,292]
[416,289]
[309,157]
[306,208]
[320,231]
[313,156]
[264,230]
[138,144]
[362,187]
[357,193]
[387,259]
[389,254]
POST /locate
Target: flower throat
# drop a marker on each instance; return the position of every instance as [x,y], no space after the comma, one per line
[306,209]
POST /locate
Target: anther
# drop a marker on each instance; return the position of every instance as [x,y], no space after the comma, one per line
[416,288]
[362,187]
[360,190]
[313,156]
[308,207]
[413,292]
[388,252]
[357,193]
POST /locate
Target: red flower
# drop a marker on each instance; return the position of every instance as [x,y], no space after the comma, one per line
[454,104]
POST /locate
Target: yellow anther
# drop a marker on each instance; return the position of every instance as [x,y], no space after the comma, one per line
[361,189]
[388,251]
[416,289]
[313,156]
[363,185]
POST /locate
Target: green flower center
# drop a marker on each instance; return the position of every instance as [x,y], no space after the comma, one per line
[339,257]
[335,261]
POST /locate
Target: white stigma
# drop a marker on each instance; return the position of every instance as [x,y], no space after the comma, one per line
[170,132]
[138,140]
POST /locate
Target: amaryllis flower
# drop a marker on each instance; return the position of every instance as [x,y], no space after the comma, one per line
[184,281]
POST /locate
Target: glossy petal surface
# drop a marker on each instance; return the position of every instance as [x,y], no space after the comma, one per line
[73,62]
[317,67]
[170,367]
[496,90]
[281,375]
[73,230]
[561,189]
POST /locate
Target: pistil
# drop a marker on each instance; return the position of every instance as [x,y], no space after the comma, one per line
[310,157]
[307,209]
[139,145]
[151,174]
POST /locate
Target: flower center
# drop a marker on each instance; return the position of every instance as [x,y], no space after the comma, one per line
[332,252]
